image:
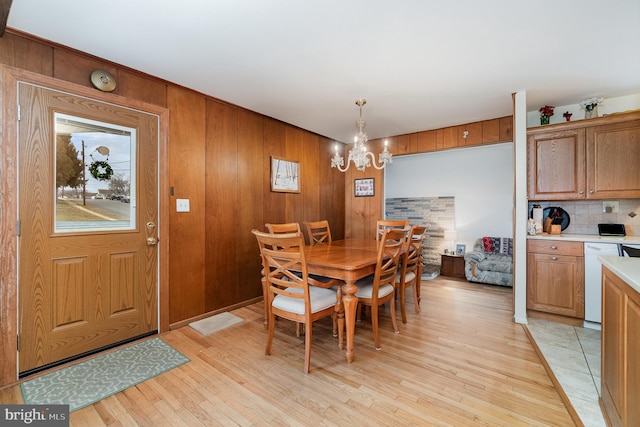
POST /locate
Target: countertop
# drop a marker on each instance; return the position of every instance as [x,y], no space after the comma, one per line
[591,238]
[628,269]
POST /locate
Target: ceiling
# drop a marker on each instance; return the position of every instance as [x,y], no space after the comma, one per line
[420,64]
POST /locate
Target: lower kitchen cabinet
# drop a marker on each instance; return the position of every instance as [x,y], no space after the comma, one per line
[620,364]
[555,277]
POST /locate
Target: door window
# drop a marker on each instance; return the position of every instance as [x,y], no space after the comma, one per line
[95,175]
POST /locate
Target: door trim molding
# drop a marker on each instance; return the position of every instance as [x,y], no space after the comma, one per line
[10,76]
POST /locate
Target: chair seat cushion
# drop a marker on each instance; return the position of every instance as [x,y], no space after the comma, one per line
[365,289]
[410,276]
[321,299]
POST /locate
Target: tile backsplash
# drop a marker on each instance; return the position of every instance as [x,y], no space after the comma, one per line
[586,215]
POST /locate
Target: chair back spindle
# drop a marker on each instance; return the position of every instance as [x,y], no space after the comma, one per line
[318,232]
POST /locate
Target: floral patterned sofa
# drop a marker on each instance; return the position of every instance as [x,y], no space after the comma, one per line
[490,261]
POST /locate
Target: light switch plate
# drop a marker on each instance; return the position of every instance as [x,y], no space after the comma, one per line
[182,205]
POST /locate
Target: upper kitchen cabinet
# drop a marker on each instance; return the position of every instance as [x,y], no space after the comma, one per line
[588,159]
[613,157]
[556,165]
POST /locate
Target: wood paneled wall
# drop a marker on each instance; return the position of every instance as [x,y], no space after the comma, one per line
[363,212]
[219,159]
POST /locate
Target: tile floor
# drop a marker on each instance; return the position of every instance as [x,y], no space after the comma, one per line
[573,353]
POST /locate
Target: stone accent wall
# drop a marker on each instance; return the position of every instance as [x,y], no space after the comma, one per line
[438,213]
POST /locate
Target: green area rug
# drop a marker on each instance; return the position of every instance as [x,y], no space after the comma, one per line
[88,382]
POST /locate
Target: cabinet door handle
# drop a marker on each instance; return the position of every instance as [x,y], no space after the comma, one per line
[581,192]
[553,258]
[554,247]
[590,191]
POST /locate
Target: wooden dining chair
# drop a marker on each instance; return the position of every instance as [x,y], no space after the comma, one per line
[384,224]
[318,232]
[379,289]
[293,227]
[410,272]
[289,294]
[289,227]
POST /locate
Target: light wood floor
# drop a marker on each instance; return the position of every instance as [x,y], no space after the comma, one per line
[461,361]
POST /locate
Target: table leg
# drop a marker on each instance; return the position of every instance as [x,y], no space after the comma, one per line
[339,321]
[418,285]
[350,304]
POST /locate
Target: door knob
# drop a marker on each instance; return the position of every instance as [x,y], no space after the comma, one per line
[152,241]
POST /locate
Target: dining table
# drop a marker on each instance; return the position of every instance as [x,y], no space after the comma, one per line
[347,260]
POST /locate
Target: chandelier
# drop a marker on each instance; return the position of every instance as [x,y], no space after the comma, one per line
[359,155]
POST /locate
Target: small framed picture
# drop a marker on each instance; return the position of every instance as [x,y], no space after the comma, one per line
[460,249]
[285,175]
[364,187]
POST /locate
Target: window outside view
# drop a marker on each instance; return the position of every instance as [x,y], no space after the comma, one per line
[95,175]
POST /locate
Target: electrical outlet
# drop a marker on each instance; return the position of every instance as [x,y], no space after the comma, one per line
[182,205]
[610,206]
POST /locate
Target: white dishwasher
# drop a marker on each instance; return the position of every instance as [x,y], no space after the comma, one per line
[593,281]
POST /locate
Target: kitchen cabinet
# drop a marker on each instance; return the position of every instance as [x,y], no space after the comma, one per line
[555,277]
[620,376]
[556,165]
[613,156]
[590,159]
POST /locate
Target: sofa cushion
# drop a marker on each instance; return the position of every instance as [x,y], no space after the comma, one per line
[497,257]
[497,245]
[488,243]
[495,265]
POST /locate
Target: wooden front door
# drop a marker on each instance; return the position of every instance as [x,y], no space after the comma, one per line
[88,209]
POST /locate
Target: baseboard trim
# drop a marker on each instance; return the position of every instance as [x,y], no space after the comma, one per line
[186,322]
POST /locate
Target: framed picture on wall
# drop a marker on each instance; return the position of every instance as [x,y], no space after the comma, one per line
[460,249]
[364,187]
[285,175]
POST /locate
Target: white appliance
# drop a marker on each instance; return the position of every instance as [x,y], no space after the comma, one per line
[593,281]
